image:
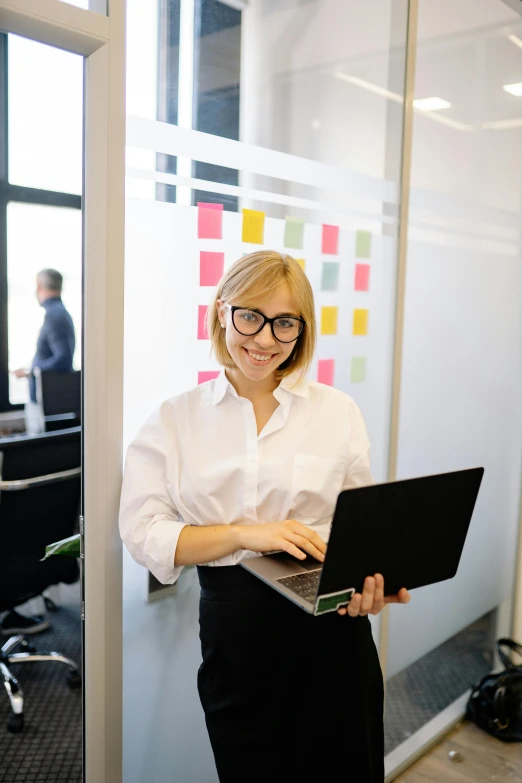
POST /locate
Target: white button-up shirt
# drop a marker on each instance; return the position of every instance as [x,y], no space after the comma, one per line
[199,461]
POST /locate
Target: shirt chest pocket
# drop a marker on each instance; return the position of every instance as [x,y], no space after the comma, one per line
[316,483]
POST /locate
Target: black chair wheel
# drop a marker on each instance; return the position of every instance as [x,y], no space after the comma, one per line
[49,604]
[74,679]
[26,647]
[15,723]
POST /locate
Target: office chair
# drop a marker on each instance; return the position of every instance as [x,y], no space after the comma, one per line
[59,396]
[40,488]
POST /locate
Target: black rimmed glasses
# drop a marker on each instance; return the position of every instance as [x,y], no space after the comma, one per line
[285,328]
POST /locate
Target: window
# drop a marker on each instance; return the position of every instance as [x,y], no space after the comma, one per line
[204,94]
[41,99]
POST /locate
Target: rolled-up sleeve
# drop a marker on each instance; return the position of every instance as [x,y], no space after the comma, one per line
[150,524]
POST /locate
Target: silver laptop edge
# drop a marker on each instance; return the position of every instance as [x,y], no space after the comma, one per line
[271,571]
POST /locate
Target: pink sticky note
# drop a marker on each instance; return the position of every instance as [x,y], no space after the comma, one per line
[210,221]
[325,371]
[202,326]
[330,243]
[211,267]
[207,375]
[362,277]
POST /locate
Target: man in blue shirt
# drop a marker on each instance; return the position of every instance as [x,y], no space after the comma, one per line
[56,341]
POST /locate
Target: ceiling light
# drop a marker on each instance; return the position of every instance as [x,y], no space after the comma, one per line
[431,104]
[516,40]
[514,89]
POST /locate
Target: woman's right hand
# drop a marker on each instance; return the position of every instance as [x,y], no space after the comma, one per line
[289,536]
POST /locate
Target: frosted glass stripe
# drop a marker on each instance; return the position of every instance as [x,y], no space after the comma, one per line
[172,140]
[259,195]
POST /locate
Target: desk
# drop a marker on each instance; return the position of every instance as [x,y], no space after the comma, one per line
[15,427]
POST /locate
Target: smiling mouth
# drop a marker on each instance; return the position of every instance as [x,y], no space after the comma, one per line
[259,358]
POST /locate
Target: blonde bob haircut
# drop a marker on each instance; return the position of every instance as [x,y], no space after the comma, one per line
[249,282]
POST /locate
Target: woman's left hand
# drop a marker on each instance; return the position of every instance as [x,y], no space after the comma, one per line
[372,599]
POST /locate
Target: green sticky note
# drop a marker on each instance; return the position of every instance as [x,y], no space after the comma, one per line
[330,276]
[294,230]
[363,244]
[358,369]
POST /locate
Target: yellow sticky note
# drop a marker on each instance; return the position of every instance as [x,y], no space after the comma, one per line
[360,322]
[301,262]
[253,226]
[329,320]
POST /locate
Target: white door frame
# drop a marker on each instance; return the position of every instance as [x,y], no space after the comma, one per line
[101,40]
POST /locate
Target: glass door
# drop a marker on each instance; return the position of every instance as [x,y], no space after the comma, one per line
[250,125]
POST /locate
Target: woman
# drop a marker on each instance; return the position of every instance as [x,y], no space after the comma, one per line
[248,463]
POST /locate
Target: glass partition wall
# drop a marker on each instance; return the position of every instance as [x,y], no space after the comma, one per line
[460,402]
[280,125]
[273,125]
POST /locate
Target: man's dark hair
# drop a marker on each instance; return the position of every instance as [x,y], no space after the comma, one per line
[50,279]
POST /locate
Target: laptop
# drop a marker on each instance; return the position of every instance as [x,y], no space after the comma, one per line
[410,531]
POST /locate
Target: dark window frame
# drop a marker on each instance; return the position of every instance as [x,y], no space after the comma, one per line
[21,194]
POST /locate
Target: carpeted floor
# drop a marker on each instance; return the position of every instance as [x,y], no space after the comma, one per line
[50,747]
[417,694]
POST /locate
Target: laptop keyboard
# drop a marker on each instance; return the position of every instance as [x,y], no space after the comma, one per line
[305,585]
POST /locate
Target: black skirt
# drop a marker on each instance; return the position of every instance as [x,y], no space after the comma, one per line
[286,696]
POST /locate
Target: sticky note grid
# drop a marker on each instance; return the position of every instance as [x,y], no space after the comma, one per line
[252,227]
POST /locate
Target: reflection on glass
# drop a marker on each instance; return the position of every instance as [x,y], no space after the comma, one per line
[39,237]
[44,116]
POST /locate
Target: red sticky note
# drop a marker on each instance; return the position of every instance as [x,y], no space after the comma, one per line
[362,277]
[202,325]
[211,267]
[207,375]
[330,243]
[325,371]
[210,221]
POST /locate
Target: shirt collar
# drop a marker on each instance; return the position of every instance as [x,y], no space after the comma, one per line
[292,384]
[221,385]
